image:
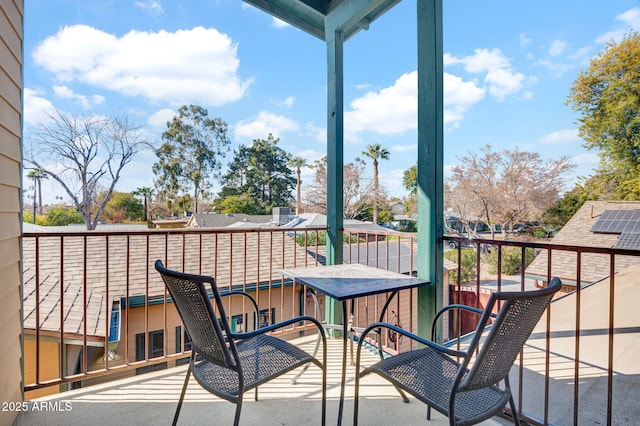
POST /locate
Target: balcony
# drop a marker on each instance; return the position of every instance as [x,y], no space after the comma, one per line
[109,341]
[153,397]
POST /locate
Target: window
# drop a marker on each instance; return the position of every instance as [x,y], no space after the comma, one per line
[180,337]
[156,349]
[237,322]
[264,319]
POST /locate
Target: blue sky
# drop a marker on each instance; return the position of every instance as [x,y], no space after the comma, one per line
[508,69]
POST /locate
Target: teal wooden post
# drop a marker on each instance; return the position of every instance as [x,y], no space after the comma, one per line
[430,161]
[335,160]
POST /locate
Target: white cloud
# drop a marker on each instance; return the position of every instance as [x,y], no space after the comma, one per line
[158,66]
[630,21]
[264,124]
[159,119]
[502,80]
[318,133]
[391,110]
[557,47]
[311,155]
[586,164]
[561,136]
[524,39]
[36,108]
[557,68]
[152,6]
[394,109]
[85,102]
[393,182]
[288,102]
[404,148]
[279,23]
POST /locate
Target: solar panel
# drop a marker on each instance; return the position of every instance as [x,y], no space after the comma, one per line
[628,241]
[618,222]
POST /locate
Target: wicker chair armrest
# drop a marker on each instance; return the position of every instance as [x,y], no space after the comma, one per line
[415,337]
[245,294]
[447,308]
[282,324]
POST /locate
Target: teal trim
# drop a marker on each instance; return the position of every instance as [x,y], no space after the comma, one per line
[335,160]
[430,161]
[138,301]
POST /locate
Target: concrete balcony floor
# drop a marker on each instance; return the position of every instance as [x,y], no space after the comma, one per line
[151,399]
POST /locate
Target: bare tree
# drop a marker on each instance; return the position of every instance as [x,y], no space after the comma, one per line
[507,186]
[356,190]
[85,155]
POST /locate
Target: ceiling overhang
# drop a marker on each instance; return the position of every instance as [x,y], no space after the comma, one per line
[317,16]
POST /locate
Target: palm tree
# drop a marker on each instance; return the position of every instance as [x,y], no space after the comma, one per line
[37,175]
[297,163]
[146,193]
[375,152]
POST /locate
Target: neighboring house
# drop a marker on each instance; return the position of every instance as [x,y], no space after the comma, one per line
[398,208]
[597,224]
[179,222]
[318,220]
[220,220]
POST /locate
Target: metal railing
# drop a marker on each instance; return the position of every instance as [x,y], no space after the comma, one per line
[571,362]
[98,269]
[94,305]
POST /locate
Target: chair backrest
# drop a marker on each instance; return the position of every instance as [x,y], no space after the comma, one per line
[206,330]
[518,315]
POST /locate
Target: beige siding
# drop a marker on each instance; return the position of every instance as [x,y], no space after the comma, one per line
[11,35]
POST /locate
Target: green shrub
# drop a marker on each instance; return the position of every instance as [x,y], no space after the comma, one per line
[322,238]
[309,238]
[63,215]
[511,260]
[467,265]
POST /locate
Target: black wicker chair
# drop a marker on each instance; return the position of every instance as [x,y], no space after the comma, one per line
[229,364]
[463,385]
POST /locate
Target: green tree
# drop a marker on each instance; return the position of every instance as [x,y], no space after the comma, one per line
[376,152]
[190,154]
[63,215]
[261,172]
[467,265]
[410,183]
[607,97]
[86,156]
[38,176]
[123,207]
[410,179]
[297,163]
[238,204]
[146,193]
[557,215]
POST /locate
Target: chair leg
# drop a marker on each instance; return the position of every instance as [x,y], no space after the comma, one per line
[184,390]
[428,412]
[236,420]
[516,419]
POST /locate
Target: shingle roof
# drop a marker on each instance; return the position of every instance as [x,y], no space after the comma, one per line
[219,220]
[577,232]
[233,258]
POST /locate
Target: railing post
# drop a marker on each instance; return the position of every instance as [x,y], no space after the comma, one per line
[335,158]
[430,161]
